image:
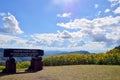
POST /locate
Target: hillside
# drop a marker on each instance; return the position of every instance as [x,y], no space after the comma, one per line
[115,50]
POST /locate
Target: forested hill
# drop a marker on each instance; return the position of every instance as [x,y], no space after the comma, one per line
[118,47]
[116,50]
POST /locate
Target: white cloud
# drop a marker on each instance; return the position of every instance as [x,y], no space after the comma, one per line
[94,47]
[60,40]
[44,39]
[64,15]
[85,23]
[64,39]
[65,34]
[11,24]
[114,2]
[96,6]
[11,41]
[50,42]
[107,10]
[75,24]
[104,30]
[117,11]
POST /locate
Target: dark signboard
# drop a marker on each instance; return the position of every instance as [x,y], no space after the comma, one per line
[23,52]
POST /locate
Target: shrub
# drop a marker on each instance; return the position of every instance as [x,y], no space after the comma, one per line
[76,59]
[2,67]
[23,65]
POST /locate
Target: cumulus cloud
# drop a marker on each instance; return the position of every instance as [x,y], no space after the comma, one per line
[64,15]
[114,2]
[43,39]
[75,24]
[104,30]
[85,23]
[65,34]
[107,10]
[10,23]
[11,41]
[117,11]
[64,39]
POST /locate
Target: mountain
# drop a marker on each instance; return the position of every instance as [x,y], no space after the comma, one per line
[81,52]
[52,53]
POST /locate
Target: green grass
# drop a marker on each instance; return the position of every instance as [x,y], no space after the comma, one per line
[75,72]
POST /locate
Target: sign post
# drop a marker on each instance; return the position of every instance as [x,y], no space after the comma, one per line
[36,61]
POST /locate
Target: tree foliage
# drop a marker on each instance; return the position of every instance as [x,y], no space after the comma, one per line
[76,59]
[25,64]
[111,57]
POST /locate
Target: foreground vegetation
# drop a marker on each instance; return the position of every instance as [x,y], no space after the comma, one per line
[111,57]
[1,68]
[76,72]
[23,65]
[76,59]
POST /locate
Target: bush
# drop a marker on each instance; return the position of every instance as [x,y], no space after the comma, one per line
[77,59]
[23,65]
[2,67]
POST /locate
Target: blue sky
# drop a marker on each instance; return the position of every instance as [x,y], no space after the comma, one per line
[92,25]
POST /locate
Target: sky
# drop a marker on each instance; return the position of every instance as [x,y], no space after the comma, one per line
[92,25]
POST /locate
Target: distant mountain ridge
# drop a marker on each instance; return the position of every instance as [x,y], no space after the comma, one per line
[52,53]
[81,51]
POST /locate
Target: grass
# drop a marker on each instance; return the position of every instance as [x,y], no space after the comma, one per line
[75,72]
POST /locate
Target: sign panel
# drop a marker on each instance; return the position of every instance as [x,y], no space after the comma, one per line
[23,52]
